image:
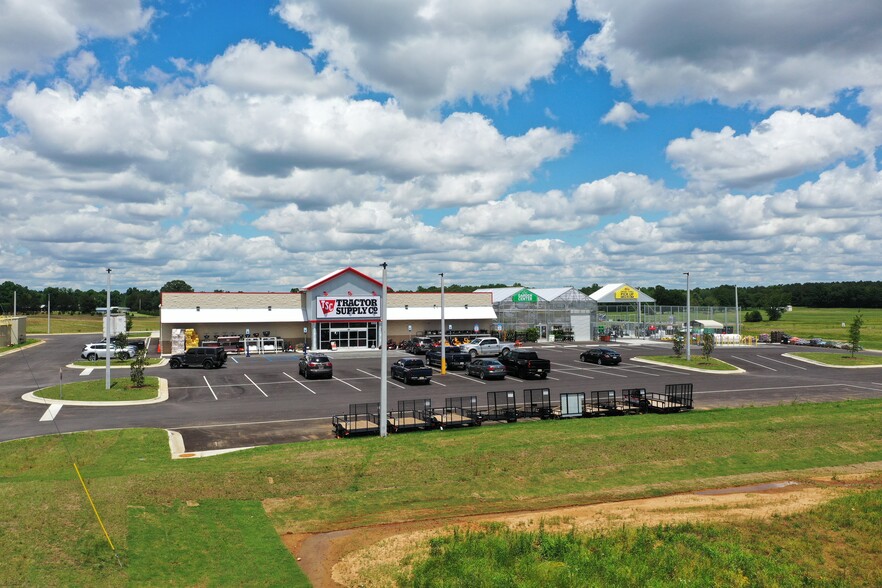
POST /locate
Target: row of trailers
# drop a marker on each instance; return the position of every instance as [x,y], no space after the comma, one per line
[463,411]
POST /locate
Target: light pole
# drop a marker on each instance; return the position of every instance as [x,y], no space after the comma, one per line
[737,316]
[107,336]
[443,344]
[383,355]
[688,320]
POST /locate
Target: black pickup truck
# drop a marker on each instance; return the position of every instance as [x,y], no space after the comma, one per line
[523,363]
[411,370]
[456,359]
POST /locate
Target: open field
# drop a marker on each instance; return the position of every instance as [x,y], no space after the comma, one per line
[825,323]
[173,521]
[85,323]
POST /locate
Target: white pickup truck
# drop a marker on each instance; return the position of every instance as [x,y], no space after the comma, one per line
[487,347]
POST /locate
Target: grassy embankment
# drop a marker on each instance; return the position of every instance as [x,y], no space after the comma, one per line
[195,522]
[824,323]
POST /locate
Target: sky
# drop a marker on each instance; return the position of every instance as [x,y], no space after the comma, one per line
[260,145]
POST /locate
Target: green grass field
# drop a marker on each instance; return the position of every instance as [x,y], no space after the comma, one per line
[95,390]
[84,323]
[193,522]
[825,323]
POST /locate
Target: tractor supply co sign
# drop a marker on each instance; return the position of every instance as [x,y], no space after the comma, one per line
[626,293]
[349,307]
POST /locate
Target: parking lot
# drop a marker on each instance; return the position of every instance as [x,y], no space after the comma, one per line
[262,399]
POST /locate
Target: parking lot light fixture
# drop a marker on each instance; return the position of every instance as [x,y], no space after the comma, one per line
[443,342]
[688,321]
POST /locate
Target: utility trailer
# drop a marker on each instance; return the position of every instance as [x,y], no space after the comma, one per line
[537,403]
[634,400]
[458,411]
[411,414]
[603,403]
[362,419]
[502,406]
[675,398]
[571,405]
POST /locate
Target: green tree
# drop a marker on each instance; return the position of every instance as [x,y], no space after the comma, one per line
[753,316]
[854,333]
[176,286]
[707,345]
[679,342]
[136,370]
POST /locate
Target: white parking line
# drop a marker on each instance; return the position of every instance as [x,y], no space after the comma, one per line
[433,381]
[347,383]
[608,372]
[256,386]
[388,381]
[86,372]
[299,382]
[754,363]
[234,359]
[799,367]
[209,387]
[51,412]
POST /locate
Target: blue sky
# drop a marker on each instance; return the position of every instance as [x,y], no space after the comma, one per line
[260,145]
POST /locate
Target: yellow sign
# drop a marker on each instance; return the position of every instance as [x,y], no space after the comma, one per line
[626,293]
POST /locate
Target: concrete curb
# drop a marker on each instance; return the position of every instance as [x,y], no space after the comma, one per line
[162,397]
[737,370]
[17,349]
[176,446]
[163,361]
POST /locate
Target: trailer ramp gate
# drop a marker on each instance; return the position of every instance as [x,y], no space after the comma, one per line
[571,405]
[502,406]
[458,411]
[411,414]
[603,403]
[362,419]
[537,403]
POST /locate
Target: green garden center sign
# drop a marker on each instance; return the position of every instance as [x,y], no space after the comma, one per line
[524,296]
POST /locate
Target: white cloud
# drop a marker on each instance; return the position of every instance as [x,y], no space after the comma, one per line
[34,34]
[82,67]
[248,67]
[784,145]
[622,114]
[771,54]
[430,52]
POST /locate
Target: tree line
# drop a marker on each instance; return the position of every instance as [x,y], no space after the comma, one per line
[863,294]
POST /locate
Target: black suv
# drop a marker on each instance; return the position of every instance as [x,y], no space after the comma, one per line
[419,345]
[206,357]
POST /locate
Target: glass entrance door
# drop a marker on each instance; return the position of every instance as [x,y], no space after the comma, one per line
[347,335]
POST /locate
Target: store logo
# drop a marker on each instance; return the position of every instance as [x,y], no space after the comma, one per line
[328,305]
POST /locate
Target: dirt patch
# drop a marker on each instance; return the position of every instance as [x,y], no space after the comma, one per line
[372,556]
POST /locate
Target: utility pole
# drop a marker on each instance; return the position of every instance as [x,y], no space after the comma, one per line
[443,343]
[107,336]
[688,320]
[383,355]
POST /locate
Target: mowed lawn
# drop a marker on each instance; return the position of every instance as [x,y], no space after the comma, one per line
[85,323]
[218,520]
[825,323]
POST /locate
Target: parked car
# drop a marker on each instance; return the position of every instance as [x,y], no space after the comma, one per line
[525,363]
[411,370]
[205,357]
[96,351]
[487,347]
[486,369]
[601,356]
[419,345]
[454,358]
[315,364]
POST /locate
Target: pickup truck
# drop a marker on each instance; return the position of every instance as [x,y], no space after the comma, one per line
[487,347]
[411,370]
[525,362]
[455,358]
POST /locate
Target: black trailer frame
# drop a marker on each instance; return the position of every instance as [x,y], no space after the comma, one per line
[572,405]
[634,400]
[362,419]
[603,403]
[458,411]
[502,406]
[675,398]
[537,403]
[411,414]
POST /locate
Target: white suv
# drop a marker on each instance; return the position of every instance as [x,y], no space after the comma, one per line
[94,351]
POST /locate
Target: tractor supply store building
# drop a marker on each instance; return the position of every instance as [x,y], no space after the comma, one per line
[338,311]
